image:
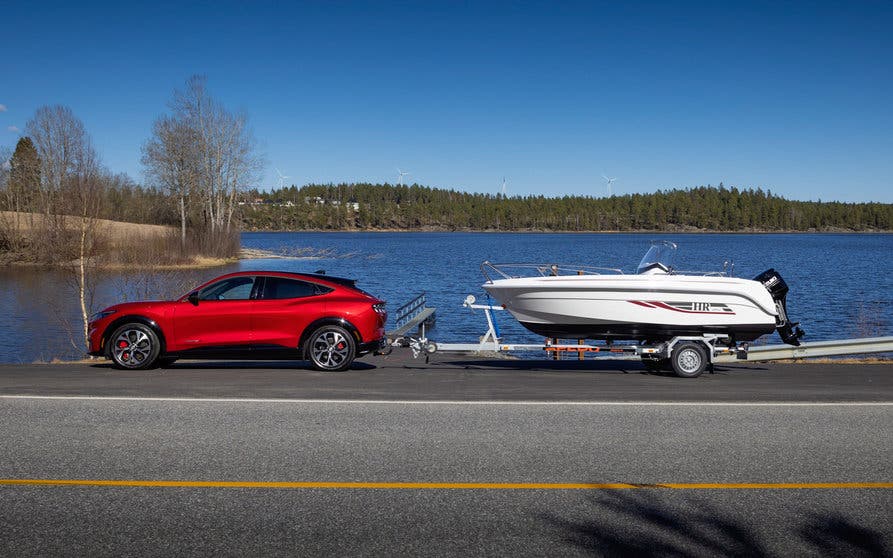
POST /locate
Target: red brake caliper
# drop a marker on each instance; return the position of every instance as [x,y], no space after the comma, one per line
[123,344]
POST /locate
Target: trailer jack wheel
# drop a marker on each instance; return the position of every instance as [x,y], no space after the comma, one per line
[689,359]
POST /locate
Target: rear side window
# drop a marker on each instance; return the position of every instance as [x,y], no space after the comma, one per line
[280,287]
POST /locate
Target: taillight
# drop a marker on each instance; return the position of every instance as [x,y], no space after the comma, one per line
[379,307]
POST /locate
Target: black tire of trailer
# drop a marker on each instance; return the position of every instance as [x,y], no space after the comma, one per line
[689,359]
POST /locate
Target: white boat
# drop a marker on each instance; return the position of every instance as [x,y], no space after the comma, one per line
[656,304]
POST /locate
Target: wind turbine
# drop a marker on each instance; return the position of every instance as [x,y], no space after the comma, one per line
[282,178]
[609,182]
[402,174]
[503,186]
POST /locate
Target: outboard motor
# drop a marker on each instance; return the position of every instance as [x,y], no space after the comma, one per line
[776,286]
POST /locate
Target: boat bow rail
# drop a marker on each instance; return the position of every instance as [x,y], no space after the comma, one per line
[516,270]
[498,271]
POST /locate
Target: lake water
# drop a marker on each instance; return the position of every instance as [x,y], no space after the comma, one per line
[841,285]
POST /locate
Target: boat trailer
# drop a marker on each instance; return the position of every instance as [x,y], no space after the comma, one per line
[687,356]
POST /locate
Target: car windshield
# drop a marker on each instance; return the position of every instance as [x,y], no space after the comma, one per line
[658,258]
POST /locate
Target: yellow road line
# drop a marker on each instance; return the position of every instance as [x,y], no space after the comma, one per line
[447,485]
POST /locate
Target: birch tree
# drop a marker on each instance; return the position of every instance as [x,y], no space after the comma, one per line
[8,227]
[70,191]
[170,158]
[204,155]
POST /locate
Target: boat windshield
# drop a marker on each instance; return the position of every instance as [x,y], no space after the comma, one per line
[659,258]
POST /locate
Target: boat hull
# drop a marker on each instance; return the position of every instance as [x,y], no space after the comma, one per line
[637,307]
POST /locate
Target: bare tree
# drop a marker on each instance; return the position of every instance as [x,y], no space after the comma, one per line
[8,227]
[202,155]
[171,159]
[5,170]
[59,137]
[85,187]
[71,184]
[62,145]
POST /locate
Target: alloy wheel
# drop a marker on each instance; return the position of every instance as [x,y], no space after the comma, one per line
[330,349]
[132,347]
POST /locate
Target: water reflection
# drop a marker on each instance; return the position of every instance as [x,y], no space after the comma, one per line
[42,321]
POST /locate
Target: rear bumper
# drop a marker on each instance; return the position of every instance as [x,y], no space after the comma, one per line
[372,346]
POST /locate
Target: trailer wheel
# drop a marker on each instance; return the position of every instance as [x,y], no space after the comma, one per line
[689,359]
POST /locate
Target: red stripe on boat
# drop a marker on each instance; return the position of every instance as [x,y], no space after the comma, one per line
[668,307]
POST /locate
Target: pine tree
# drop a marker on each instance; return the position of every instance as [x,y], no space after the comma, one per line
[24,176]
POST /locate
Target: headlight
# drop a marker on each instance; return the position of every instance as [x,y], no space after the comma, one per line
[100,315]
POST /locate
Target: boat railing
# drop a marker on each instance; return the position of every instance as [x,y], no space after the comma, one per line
[515,270]
[701,273]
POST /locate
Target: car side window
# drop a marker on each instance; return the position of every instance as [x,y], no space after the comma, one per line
[280,288]
[234,288]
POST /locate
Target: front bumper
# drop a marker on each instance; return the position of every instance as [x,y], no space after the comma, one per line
[96,342]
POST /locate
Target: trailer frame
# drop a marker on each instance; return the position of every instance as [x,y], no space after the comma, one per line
[688,355]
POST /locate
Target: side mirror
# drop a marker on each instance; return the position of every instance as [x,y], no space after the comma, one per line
[193,298]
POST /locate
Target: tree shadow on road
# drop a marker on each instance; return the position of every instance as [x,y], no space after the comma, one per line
[638,524]
[837,536]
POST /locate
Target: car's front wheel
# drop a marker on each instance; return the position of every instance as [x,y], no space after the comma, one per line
[331,348]
[134,346]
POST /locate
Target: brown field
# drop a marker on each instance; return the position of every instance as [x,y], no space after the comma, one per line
[128,245]
[115,231]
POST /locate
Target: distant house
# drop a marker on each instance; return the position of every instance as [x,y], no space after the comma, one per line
[314,200]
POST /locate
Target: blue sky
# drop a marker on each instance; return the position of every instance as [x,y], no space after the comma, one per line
[793,97]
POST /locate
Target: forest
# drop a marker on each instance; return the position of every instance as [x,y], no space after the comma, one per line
[415,207]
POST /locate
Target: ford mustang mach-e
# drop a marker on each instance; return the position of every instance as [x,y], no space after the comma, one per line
[250,314]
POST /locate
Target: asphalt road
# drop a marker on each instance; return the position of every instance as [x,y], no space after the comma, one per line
[446,377]
[511,428]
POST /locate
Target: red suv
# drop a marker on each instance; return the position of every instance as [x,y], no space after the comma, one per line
[250,314]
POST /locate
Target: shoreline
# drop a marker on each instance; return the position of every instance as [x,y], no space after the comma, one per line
[544,231]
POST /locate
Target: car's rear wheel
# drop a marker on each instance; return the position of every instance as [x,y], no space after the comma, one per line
[331,348]
[134,346]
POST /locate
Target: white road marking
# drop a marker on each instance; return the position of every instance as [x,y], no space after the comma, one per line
[459,402]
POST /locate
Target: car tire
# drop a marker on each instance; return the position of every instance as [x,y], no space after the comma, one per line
[133,346]
[689,359]
[331,348]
